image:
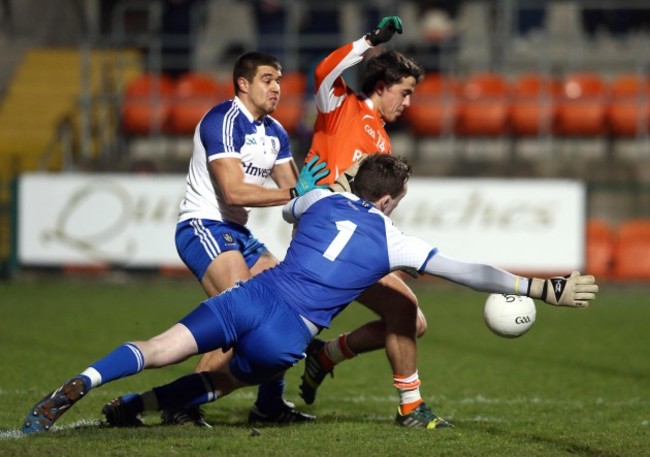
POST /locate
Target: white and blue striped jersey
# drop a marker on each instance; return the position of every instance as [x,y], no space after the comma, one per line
[343,245]
[229,131]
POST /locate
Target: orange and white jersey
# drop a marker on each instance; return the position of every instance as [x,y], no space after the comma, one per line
[347,124]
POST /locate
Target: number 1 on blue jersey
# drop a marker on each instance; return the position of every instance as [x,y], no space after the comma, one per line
[346,230]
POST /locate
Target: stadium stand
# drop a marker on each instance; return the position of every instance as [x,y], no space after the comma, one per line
[581,107]
[41,94]
[483,104]
[45,92]
[600,248]
[628,111]
[434,108]
[147,104]
[158,104]
[193,95]
[483,107]
[632,250]
[533,107]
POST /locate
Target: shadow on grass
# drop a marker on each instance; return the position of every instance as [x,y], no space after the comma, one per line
[561,445]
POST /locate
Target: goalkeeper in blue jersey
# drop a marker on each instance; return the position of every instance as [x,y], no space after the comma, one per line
[343,244]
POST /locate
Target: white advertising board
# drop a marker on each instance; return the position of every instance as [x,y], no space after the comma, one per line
[524,225]
[129,220]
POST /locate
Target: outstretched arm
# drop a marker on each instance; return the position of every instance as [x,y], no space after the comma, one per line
[476,276]
[329,85]
[575,290]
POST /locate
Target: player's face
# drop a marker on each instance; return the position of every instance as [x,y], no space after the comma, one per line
[395,99]
[393,202]
[264,91]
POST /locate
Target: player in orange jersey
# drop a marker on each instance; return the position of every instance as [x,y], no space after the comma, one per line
[348,124]
[348,127]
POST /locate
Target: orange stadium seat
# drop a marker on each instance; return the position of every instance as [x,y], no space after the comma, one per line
[194,94]
[581,109]
[628,113]
[632,252]
[600,248]
[483,107]
[434,106]
[290,110]
[146,106]
[533,108]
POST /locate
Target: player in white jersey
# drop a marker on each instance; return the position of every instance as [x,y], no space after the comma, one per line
[237,146]
[343,244]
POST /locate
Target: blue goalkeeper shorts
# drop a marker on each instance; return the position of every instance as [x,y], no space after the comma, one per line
[200,241]
[268,336]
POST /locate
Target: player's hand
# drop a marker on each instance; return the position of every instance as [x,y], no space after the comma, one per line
[574,290]
[385,30]
[310,174]
[345,180]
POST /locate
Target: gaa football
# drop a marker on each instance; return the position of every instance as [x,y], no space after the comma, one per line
[509,316]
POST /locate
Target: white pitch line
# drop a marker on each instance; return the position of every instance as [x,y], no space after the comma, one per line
[249,395]
[18,434]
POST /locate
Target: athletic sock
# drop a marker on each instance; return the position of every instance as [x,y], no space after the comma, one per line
[149,401]
[135,403]
[186,392]
[125,360]
[335,351]
[408,388]
[270,396]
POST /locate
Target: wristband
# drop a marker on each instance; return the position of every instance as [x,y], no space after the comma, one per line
[293,193]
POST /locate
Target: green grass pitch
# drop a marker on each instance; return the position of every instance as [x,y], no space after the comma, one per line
[577,384]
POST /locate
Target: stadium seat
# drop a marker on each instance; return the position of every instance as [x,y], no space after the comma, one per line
[632,251]
[628,113]
[146,106]
[600,248]
[434,106]
[290,110]
[194,94]
[483,109]
[533,108]
[581,108]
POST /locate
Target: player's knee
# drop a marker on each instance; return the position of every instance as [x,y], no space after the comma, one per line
[421,324]
[399,308]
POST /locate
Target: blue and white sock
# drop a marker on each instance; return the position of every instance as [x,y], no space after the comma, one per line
[126,360]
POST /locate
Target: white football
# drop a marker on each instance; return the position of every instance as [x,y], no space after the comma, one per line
[509,316]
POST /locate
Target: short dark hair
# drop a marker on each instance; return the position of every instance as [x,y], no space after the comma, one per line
[389,67]
[247,64]
[381,174]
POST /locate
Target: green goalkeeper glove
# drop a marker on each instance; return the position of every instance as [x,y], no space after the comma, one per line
[574,290]
[385,30]
[309,175]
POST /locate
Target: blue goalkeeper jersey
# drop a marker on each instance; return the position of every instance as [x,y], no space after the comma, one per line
[342,246]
